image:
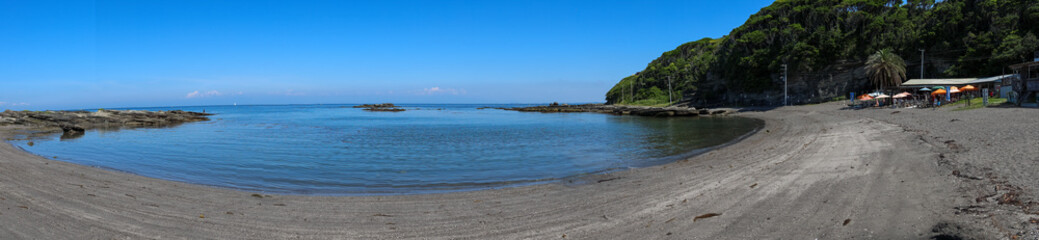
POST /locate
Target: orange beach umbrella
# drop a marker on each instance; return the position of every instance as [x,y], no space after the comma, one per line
[865,97]
[968,88]
[938,92]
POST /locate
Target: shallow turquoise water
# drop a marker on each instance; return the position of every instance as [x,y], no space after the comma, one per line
[337,150]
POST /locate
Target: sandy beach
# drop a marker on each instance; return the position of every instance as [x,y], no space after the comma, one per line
[814,171]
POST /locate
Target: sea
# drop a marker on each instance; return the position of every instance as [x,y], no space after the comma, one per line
[335,149]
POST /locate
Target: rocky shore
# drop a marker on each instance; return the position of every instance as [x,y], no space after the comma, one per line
[625,110]
[76,122]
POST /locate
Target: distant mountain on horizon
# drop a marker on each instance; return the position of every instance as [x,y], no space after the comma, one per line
[825,44]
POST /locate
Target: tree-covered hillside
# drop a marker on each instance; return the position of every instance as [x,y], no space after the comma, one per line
[825,44]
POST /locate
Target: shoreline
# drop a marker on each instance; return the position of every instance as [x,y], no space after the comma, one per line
[811,171]
[646,111]
[579,178]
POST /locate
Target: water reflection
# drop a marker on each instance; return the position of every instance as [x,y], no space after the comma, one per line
[663,139]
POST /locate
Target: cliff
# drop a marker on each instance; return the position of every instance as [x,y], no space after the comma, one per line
[825,44]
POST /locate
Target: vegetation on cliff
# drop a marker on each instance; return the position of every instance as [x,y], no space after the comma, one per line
[825,44]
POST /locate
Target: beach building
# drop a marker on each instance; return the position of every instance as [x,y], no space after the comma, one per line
[993,84]
[1026,85]
[988,82]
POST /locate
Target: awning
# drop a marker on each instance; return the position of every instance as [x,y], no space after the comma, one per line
[939,82]
[954,81]
[993,79]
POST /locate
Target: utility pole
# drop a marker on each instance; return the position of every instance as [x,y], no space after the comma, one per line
[669,90]
[785,97]
[922,63]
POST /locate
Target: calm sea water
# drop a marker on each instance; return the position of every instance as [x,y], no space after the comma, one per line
[337,150]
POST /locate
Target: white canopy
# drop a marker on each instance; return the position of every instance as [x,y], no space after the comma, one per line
[953,81]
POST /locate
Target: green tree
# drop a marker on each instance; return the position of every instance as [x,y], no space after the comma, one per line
[822,40]
[884,67]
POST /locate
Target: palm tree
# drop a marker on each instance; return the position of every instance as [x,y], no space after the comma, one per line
[884,67]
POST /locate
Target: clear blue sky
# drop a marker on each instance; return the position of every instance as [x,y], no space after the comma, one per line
[97,54]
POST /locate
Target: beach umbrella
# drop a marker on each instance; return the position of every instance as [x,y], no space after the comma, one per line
[902,95]
[938,92]
[865,97]
[882,96]
[938,87]
[968,88]
[925,89]
[954,90]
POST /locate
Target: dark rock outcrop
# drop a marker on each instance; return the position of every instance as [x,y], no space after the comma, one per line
[72,129]
[385,107]
[75,123]
[623,110]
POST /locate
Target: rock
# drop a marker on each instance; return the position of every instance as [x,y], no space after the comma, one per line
[617,110]
[685,113]
[374,109]
[75,123]
[664,113]
[383,105]
[72,129]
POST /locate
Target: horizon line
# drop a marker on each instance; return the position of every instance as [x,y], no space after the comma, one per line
[302,104]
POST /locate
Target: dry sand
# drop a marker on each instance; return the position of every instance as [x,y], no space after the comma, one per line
[812,172]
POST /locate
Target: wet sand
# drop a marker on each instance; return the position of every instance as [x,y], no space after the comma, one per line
[812,172]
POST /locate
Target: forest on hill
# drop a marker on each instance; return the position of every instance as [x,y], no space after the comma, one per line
[825,44]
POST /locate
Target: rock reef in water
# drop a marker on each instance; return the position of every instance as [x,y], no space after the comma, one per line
[77,122]
[384,107]
[624,110]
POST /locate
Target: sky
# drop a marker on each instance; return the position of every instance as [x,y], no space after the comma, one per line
[110,54]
